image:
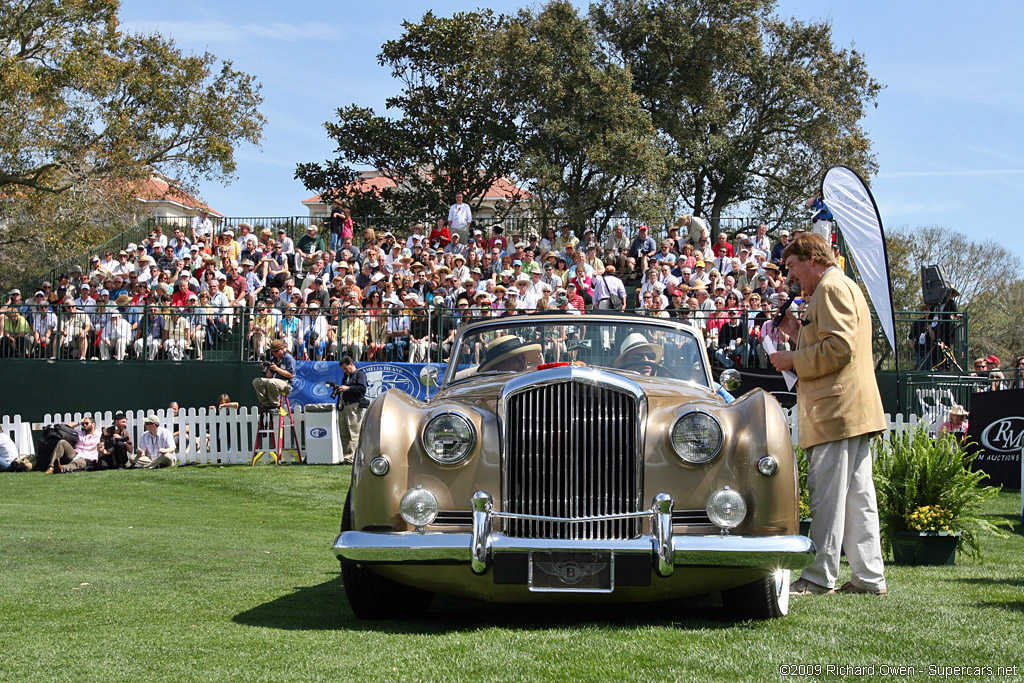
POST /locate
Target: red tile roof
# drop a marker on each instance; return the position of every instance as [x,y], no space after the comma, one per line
[157,189]
[503,188]
[374,183]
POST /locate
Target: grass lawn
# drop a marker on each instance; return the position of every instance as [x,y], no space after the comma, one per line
[207,573]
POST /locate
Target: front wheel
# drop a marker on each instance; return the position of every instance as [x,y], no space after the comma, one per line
[370,595]
[767,598]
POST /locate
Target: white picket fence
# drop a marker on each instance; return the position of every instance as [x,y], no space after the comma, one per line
[229,436]
[204,436]
[898,423]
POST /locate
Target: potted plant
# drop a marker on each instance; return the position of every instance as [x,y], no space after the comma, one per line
[929,500]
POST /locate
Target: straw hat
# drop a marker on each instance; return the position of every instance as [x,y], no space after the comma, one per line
[503,348]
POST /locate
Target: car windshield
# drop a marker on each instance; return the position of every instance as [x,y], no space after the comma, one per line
[524,344]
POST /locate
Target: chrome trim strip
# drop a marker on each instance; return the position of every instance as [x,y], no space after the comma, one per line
[573,520]
[410,547]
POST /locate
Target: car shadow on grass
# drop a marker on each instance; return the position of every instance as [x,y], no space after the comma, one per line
[323,607]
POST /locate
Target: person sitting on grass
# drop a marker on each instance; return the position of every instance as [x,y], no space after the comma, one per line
[68,458]
[156,446]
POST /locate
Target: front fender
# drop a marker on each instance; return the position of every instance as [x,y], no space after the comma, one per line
[392,428]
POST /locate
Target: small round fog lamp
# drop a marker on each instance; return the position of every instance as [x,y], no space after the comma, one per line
[418,507]
[767,466]
[726,508]
[379,466]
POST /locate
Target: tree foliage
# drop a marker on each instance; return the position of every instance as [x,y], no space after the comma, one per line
[589,147]
[986,274]
[456,125]
[86,110]
[753,108]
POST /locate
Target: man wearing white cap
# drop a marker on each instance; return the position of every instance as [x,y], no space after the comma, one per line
[156,446]
[116,335]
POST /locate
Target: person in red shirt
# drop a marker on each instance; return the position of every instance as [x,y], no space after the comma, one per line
[723,243]
[236,281]
[575,299]
[439,237]
[181,293]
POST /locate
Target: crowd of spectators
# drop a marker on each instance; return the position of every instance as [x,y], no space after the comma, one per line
[377,296]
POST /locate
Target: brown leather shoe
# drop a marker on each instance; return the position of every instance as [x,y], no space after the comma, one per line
[805,587]
[851,587]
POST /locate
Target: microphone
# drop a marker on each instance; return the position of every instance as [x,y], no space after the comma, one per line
[794,292]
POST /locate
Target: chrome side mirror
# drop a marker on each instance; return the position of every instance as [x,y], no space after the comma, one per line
[730,379]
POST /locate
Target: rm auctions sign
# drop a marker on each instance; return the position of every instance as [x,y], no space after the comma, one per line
[996,435]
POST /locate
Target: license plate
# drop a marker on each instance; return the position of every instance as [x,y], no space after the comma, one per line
[572,572]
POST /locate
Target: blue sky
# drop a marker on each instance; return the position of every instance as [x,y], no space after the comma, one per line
[948,129]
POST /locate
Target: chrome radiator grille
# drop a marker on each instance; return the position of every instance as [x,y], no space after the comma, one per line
[572,450]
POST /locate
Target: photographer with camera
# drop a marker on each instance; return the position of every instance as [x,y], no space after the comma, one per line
[351,400]
[278,376]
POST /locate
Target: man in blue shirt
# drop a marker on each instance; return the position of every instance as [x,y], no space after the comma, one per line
[278,378]
[641,251]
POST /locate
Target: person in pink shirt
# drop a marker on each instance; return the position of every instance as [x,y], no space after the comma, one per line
[68,458]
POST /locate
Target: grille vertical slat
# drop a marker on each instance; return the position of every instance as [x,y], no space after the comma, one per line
[572,451]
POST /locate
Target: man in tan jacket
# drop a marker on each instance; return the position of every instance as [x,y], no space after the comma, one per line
[839,411]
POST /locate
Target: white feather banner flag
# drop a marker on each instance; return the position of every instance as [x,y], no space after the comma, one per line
[856,216]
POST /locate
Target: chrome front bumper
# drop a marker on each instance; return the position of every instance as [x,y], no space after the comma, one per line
[666,550]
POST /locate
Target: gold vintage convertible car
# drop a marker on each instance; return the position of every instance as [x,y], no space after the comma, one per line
[573,458]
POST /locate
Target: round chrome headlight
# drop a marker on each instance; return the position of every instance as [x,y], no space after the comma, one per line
[726,508]
[449,438]
[696,437]
[418,507]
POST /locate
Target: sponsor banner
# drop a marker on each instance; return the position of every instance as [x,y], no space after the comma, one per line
[419,380]
[996,435]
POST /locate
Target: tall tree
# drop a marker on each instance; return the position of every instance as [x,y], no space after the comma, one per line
[87,110]
[753,108]
[456,128]
[589,148]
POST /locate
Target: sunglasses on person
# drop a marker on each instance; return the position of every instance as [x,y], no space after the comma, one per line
[643,355]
